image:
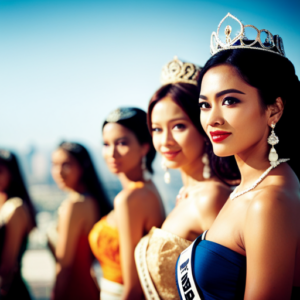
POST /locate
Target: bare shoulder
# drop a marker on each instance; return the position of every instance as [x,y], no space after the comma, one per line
[211,194]
[276,205]
[71,208]
[16,212]
[132,197]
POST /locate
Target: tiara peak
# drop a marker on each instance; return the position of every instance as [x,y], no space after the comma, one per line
[271,43]
[179,71]
[121,113]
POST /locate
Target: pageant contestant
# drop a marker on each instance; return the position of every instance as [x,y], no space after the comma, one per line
[129,153]
[73,171]
[17,218]
[249,100]
[173,118]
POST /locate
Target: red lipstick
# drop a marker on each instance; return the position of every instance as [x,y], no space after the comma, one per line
[219,136]
[170,154]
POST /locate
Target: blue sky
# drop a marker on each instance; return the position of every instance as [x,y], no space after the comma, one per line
[64,65]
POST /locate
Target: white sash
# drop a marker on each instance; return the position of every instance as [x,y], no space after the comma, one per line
[110,290]
[187,288]
[140,254]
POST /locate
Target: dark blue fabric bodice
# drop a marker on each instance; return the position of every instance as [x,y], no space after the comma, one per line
[220,273]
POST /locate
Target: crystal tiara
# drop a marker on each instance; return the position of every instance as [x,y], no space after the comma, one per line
[179,71]
[121,113]
[271,43]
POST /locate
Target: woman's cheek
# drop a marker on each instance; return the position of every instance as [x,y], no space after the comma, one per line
[105,152]
[203,122]
[155,141]
[123,150]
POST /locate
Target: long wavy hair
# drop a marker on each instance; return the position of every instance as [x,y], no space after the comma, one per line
[89,177]
[186,96]
[274,76]
[16,186]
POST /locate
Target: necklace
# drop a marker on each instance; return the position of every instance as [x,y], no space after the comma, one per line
[234,194]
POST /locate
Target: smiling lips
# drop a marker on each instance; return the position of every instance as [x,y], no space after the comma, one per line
[170,154]
[219,136]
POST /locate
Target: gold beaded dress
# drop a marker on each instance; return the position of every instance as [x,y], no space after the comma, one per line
[155,256]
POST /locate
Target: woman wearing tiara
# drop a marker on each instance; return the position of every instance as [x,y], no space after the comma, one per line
[17,219]
[173,117]
[74,172]
[252,250]
[128,152]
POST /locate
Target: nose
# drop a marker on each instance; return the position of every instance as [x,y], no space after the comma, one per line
[213,117]
[167,138]
[112,151]
[60,170]
[57,170]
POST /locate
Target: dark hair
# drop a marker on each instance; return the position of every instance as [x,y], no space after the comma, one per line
[274,76]
[16,187]
[186,96]
[137,123]
[89,176]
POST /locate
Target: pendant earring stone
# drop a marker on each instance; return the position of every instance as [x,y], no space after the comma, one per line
[273,156]
[273,139]
[167,177]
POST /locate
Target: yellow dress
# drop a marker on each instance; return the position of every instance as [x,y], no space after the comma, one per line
[155,257]
[104,242]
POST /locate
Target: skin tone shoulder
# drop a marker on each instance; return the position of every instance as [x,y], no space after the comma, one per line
[77,215]
[138,207]
[182,146]
[251,223]
[18,224]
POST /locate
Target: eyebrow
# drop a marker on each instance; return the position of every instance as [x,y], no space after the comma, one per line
[172,120]
[122,138]
[117,140]
[223,93]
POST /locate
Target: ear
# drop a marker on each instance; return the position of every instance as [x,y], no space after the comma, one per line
[275,111]
[145,149]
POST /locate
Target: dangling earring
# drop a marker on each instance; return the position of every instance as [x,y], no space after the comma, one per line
[167,176]
[146,174]
[273,140]
[206,168]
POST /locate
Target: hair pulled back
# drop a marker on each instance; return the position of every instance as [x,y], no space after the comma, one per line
[186,96]
[89,176]
[138,125]
[17,187]
[274,76]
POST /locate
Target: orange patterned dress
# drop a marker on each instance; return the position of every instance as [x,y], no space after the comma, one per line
[104,242]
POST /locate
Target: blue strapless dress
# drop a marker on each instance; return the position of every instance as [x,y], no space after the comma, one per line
[220,273]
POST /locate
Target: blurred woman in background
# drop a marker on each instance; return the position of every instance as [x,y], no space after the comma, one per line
[173,118]
[73,171]
[17,219]
[129,153]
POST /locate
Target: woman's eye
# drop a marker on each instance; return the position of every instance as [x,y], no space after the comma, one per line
[122,143]
[204,105]
[180,126]
[155,129]
[230,101]
[105,144]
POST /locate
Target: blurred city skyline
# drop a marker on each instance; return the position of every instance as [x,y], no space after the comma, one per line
[64,65]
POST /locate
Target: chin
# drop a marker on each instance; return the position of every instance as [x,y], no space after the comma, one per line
[173,164]
[63,187]
[115,171]
[222,151]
